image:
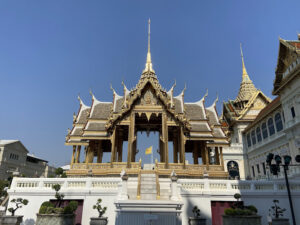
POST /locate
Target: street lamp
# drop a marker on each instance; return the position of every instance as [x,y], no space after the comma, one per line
[275,168]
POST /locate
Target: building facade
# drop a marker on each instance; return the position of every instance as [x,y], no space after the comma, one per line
[277,128]
[14,157]
[237,115]
[148,107]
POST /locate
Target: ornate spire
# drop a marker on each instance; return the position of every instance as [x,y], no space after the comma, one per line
[245,75]
[247,88]
[148,66]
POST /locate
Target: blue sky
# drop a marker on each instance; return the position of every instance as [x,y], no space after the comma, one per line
[52,50]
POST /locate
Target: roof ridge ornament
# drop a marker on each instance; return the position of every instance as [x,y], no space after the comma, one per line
[148,66]
[247,88]
[245,75]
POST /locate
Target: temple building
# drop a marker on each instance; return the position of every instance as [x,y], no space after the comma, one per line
[276,129]
[148,107]
[237,115]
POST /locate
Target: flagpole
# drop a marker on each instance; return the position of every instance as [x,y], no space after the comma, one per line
[152,156]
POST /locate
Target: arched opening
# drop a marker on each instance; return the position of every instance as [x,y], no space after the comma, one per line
[233,170]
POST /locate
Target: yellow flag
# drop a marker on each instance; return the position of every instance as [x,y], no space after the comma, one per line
[148,150]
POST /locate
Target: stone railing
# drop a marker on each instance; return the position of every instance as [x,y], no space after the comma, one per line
[233,186]
[34,184]
[91,166]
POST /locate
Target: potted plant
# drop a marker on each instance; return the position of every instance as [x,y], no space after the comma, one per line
[277,213]
[239,214]
[196,220]
[50,213]
[100,220]
[14,220]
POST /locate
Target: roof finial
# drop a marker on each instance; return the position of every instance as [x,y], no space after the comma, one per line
[148,66]
[245,74]
[149,22]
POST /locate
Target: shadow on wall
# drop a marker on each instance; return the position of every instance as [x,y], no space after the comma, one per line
[29,222]
[188,209]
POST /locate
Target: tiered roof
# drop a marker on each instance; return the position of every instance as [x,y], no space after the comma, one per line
[98,120]
[248,102]
[288,63]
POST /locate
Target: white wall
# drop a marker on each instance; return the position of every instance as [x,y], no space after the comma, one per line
[199,192]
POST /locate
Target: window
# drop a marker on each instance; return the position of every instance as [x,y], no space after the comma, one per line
[253,137]
[264,130]
[13,156]
[293,112]
[271,126]
[264,168]
[257,166]
[258,134]
[278,122]
[248,140]
[283,116]
[253,172]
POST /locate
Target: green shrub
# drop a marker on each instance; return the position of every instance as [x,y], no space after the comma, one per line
[238,212]
[43,209]
[71,207]
[99,208]
[19,202]
[252,208]
[58,210]
[47,204]
[229,212]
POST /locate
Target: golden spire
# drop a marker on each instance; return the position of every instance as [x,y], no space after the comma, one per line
[247,88]
[245,75]
[148,66]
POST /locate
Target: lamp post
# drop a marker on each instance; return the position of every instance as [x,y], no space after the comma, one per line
[275,168]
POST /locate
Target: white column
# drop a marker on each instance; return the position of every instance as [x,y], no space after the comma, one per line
[174,190]
[123,195]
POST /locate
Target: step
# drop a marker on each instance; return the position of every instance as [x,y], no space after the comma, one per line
[148,197]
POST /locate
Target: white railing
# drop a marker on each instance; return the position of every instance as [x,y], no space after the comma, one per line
[233,186]
[34,184]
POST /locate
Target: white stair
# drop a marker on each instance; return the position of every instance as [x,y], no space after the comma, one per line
[148,187]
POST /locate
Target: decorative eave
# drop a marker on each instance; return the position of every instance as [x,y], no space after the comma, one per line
[147,78]
[287,53]
[251,101]
[76,118]
[200,103]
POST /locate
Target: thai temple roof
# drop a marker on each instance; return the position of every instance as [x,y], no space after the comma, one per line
[249,98]
[247,88]
[98,119]
[288,62]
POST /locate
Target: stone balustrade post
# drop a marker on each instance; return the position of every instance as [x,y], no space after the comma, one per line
[65,184]
[88,183]
[252,187]
[123,193]
[174,190]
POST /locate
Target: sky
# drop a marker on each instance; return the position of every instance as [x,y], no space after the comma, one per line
[51,51]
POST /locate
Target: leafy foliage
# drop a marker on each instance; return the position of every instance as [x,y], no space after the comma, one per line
[71,207]
[277,211]
[238,208]
[196,212]
[19,202]
[60,172]
[58,196]
[49,208]
[99,208]
[3,189]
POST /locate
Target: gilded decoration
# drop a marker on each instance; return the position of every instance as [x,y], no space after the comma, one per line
[148,107]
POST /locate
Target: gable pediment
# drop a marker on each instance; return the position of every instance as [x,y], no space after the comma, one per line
[254,106]
[148,95]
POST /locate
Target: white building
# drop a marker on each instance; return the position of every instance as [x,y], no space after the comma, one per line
[277,128]
[14,157]
[237,115]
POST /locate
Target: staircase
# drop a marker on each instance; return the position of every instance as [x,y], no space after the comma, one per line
[148,186]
